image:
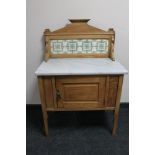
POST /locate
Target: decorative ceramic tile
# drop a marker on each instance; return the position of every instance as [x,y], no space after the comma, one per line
[79,46]
[72,46]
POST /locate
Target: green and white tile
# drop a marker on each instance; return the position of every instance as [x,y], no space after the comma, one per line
[79,46]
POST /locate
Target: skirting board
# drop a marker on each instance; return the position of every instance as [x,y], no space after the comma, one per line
[123,105]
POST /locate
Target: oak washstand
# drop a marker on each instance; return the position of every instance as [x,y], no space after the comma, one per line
[80,71]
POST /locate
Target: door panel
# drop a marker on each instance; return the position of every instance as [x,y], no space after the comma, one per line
[80,92]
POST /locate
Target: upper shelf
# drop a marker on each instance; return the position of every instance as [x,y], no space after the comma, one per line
[79,20]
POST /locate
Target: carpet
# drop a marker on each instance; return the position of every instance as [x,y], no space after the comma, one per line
[77,133]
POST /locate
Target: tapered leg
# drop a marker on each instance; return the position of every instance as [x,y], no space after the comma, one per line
[115,125]
[116,112]
[45,119]
[43,105]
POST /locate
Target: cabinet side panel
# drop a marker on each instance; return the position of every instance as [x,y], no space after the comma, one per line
[111,91]
[48,92]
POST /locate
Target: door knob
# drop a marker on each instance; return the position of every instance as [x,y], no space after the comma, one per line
[58,94]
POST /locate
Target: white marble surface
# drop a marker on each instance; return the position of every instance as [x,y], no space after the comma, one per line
[80,66]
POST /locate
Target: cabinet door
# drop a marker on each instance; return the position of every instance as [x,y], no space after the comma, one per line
[80,92]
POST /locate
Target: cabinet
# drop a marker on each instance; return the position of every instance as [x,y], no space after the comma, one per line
[79,72]
[82,92]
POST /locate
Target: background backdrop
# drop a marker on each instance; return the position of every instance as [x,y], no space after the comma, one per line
[54,14]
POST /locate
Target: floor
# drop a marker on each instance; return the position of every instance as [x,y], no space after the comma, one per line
[77,133]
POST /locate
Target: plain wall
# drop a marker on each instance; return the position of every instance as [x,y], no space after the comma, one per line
[54,14]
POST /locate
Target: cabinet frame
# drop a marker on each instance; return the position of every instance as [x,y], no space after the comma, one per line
[111,86]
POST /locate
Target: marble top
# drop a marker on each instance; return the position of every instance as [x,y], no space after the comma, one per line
[80,66]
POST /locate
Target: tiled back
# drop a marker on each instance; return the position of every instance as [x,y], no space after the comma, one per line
[84,46]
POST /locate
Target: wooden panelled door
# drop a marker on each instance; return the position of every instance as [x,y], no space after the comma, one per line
[80,92]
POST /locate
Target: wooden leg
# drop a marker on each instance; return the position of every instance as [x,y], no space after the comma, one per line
[43,104]
[115,125]
[45,119]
